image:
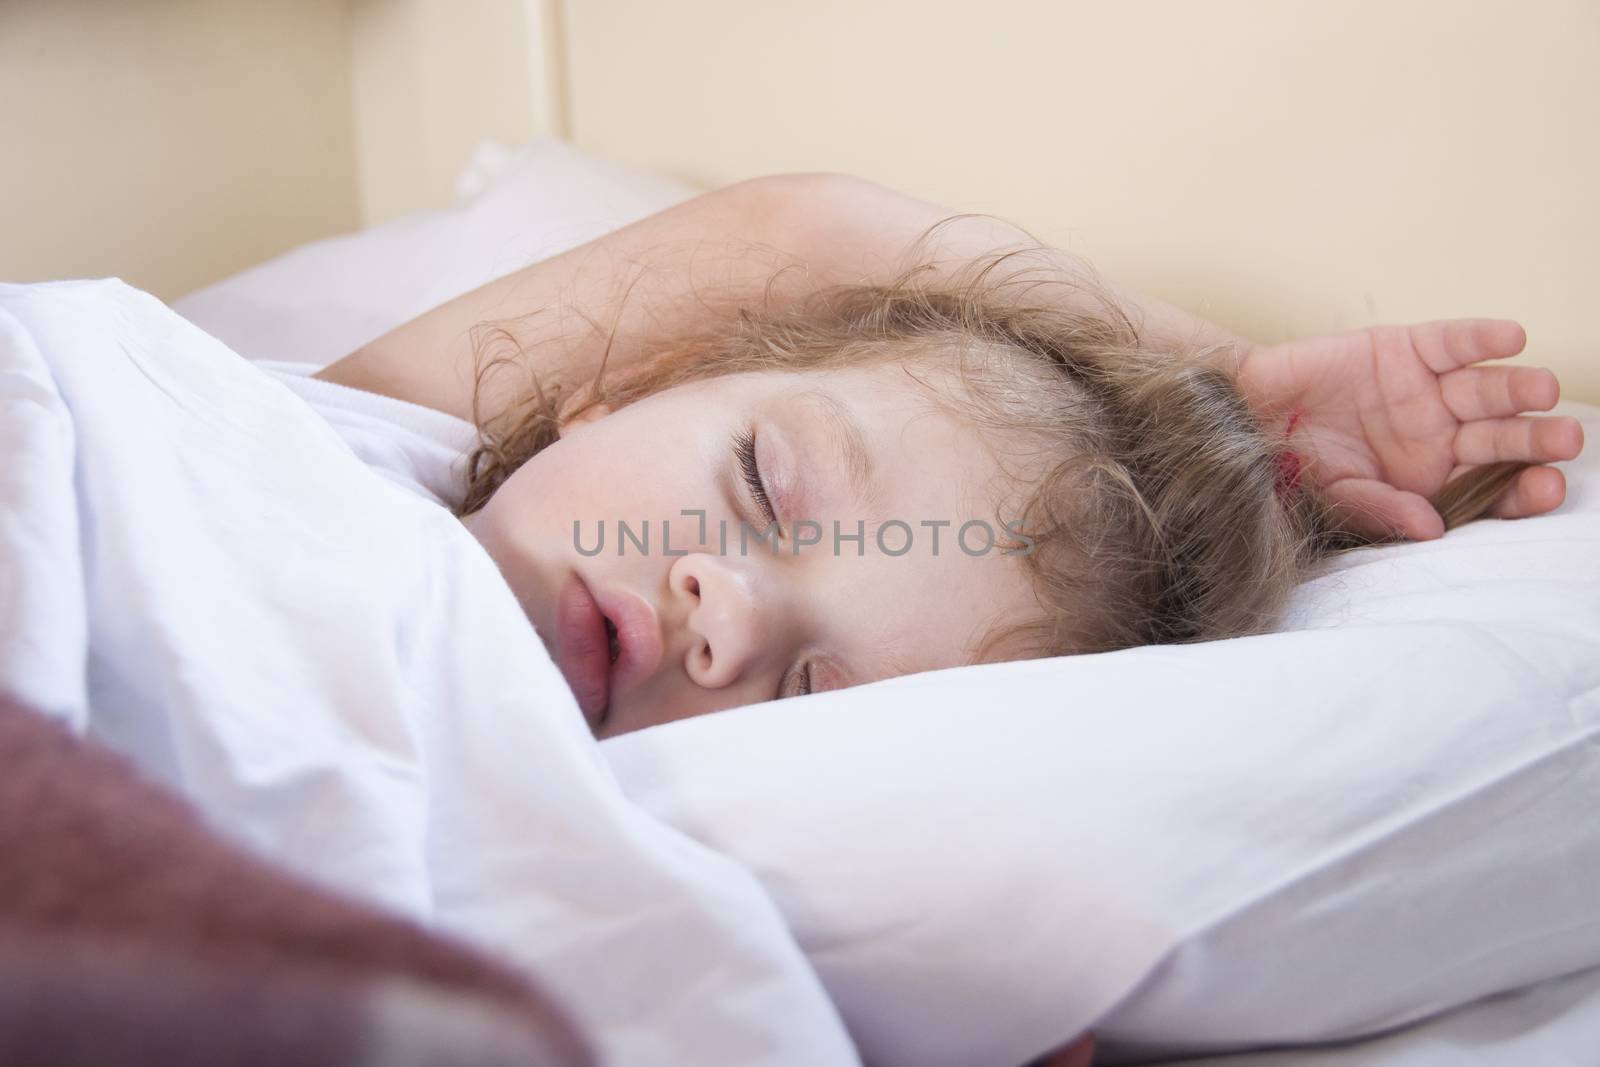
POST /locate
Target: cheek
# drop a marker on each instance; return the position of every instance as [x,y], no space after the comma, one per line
[605,476]
[933,610]
[526,526]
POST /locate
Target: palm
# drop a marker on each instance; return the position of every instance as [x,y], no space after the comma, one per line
[1387,415]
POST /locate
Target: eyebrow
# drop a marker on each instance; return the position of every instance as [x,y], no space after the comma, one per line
[849,441]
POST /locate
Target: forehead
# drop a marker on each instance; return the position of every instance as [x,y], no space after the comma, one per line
[923,486]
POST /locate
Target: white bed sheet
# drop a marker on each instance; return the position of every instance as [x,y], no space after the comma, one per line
[1555,1023]
[195,569]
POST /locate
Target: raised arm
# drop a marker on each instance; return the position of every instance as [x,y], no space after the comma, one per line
[678,271]
[1381,418]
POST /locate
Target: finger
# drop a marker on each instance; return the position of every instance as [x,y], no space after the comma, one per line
[1378,509]
[1494,392]
[1536,491]
[1452,343]
[1526,439]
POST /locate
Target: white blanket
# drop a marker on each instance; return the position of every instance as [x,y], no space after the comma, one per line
[195,569]
[1555,1023]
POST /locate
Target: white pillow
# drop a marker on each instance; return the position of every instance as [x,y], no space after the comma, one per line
[1283,838]
[322,301]
[1307,835]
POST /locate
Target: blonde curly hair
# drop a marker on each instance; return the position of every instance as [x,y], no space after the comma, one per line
[1161,515]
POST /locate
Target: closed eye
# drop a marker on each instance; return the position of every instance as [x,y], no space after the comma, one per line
[796,683]
[744,451]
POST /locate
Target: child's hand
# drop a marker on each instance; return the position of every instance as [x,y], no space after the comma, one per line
[1381,418]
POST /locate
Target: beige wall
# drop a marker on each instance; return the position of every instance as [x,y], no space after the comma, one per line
[1288,167]
[170,142]
[432,78]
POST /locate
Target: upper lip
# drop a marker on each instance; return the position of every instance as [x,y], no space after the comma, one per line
[638,637]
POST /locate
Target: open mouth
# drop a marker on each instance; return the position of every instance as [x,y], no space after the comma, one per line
[611,637]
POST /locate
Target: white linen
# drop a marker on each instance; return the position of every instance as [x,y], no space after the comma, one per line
[335,672]
[416,448]
[1555,1023]
[1303,836]
[918,833]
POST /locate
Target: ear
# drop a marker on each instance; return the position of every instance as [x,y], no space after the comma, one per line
[593,413]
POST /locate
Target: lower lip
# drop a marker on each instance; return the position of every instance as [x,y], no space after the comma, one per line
[583,649]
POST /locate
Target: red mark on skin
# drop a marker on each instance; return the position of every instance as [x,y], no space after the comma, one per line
[1287,466]
[1287,470]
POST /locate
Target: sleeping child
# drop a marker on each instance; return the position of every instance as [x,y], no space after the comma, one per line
[804,432]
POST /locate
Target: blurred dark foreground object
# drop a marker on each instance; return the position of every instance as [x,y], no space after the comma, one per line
[130,934]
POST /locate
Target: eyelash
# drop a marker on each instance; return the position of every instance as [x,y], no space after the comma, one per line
[744,451]
[804,688]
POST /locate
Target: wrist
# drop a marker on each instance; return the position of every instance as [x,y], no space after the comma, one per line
[1279,415]
[1256,372]
[1288,464]
[1242,361]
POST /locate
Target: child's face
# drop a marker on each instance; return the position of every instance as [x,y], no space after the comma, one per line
[703,623]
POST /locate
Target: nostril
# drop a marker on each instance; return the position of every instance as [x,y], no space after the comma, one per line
[693,585]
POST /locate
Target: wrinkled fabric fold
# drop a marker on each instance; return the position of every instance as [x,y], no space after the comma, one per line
[198,572]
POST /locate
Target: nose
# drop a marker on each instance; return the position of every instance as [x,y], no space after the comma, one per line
[723,621]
